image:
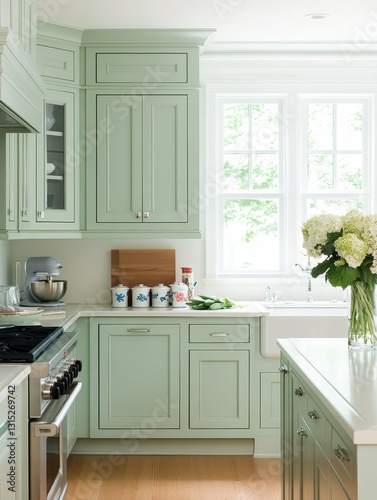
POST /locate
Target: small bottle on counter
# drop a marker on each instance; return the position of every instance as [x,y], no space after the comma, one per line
[188,279]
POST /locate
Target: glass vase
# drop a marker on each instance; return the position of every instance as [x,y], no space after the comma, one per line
[362,334]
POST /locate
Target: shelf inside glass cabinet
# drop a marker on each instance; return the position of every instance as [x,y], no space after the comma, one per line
[55,156]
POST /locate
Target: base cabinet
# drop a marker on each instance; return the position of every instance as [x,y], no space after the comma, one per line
[138,378]
[318,459]
[174,378]
[219,389]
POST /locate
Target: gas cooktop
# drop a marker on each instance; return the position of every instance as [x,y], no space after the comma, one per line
[25,343]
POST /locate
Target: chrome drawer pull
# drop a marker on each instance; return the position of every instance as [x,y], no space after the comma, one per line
[313,415]
[139,330]
[283,369]
[219,334]
[341,453]
[301,432]
[299,391]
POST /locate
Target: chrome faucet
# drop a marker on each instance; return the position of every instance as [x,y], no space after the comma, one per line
[308,271]
[269,294]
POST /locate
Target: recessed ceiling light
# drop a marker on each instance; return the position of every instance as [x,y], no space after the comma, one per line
[316,17]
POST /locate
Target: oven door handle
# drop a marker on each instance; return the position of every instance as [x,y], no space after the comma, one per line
[50,429]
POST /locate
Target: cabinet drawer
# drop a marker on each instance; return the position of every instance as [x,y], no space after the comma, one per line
[343,459]
[149,69]
[219,333]
[318,424]
[56,63]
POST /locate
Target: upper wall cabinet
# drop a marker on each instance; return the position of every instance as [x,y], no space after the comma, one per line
[143,132]
[58,166]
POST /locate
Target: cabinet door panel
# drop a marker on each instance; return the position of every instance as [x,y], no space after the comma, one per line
[270,400]
[165,158]
[119,158]
[57,189]
[219,389]
[138,376]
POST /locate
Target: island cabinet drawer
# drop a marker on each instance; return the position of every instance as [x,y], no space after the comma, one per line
[219,333]
[318,424]
[149,69]
[343,459]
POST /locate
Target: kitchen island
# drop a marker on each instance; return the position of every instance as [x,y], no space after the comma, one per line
[329,425]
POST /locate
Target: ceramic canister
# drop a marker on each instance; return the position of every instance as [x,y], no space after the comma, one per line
[140,296]
[160,295]
[179,294]
[119,296]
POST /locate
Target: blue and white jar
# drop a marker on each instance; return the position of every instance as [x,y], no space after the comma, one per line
[160,295]
[119,296]
[140,296]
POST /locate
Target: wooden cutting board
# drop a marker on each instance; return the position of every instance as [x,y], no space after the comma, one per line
[149,267]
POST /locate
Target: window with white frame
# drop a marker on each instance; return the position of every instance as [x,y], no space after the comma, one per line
[275,169]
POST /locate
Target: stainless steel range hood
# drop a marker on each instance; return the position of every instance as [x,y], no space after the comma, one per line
[21,88]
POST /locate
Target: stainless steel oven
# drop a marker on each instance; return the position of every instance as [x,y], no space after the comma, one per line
[48,449]
[52,392]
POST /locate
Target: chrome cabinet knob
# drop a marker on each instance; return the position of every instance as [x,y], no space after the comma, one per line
[298,391]
[313,415]
[341,453]
[301,432]
[283,369]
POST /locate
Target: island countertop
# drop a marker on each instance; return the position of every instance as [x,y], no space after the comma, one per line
[344,380]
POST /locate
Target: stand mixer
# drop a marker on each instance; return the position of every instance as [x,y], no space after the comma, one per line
[38,272]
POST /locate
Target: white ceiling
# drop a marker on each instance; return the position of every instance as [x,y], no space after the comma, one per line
[235,20]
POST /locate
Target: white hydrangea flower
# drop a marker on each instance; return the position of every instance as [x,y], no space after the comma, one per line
[315,231]
[352,249]
[353,222]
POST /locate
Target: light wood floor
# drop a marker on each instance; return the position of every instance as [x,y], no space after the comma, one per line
[124,477]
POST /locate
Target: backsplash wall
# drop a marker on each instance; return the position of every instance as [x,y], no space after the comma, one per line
[87,268]
[87,263]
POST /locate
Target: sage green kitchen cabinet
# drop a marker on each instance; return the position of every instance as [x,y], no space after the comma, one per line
[141,180]
[58,165]
[14,442]
[137,379]
[18,156]
[319,460]
[142,115]
[219,389]
[58,169]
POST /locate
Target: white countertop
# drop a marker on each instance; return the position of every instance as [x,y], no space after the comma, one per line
[55,316]
[345,381]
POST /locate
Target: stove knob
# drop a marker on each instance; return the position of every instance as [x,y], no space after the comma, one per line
[63,381]
[71,368]
[74,369]
[69,375]
[78,363]
[55,391]
[62,385]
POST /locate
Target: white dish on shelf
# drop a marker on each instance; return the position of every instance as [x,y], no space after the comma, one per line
[50,167]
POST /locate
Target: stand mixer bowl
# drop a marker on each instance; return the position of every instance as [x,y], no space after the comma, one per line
[49,290]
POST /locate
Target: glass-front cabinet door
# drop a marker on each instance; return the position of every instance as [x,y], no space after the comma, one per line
[57,186]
